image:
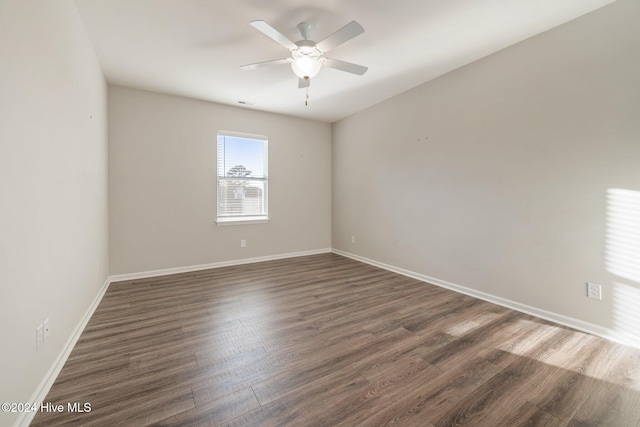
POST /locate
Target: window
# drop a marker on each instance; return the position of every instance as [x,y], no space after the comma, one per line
[242,177]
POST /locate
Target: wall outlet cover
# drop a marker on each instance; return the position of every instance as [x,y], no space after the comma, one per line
[594,291]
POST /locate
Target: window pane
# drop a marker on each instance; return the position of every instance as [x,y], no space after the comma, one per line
[241,157]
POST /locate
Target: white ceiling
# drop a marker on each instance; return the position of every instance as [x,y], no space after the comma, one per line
[194,48]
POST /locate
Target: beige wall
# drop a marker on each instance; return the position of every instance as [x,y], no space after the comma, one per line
[162,183]
[502,176]
[53,186]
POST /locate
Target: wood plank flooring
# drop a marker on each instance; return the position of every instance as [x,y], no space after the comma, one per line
[327,341]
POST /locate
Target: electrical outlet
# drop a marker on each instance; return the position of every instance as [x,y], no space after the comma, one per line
[353,239]
[46,331]
[243,243]
[39,336]
[594,290]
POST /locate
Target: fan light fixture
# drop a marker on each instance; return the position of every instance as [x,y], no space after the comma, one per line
[306,61]
[306,67]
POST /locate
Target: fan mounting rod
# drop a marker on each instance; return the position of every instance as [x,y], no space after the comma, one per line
[305,30]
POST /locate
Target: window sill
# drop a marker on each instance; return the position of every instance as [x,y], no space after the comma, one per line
[243,220]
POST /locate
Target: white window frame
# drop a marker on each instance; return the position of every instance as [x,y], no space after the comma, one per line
[243,219]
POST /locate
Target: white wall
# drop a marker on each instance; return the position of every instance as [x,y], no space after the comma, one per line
[517,176]
[162,183]
[53,186]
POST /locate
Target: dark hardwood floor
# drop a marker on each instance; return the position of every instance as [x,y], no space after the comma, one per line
[327,341]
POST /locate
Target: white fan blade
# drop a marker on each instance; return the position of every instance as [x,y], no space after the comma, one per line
[349,31]
[345,66]
[265,64]
[302,83]
[274,34]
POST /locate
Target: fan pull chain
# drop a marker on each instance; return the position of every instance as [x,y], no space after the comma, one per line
[306,101]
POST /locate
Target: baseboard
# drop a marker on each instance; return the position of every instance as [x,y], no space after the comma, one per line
[38,396]
[571,322]
[187,269]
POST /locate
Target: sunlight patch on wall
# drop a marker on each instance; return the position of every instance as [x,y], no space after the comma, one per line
[623,233]
[626,312]
[623,260]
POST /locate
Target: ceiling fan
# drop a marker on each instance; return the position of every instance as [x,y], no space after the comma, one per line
[306,55]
